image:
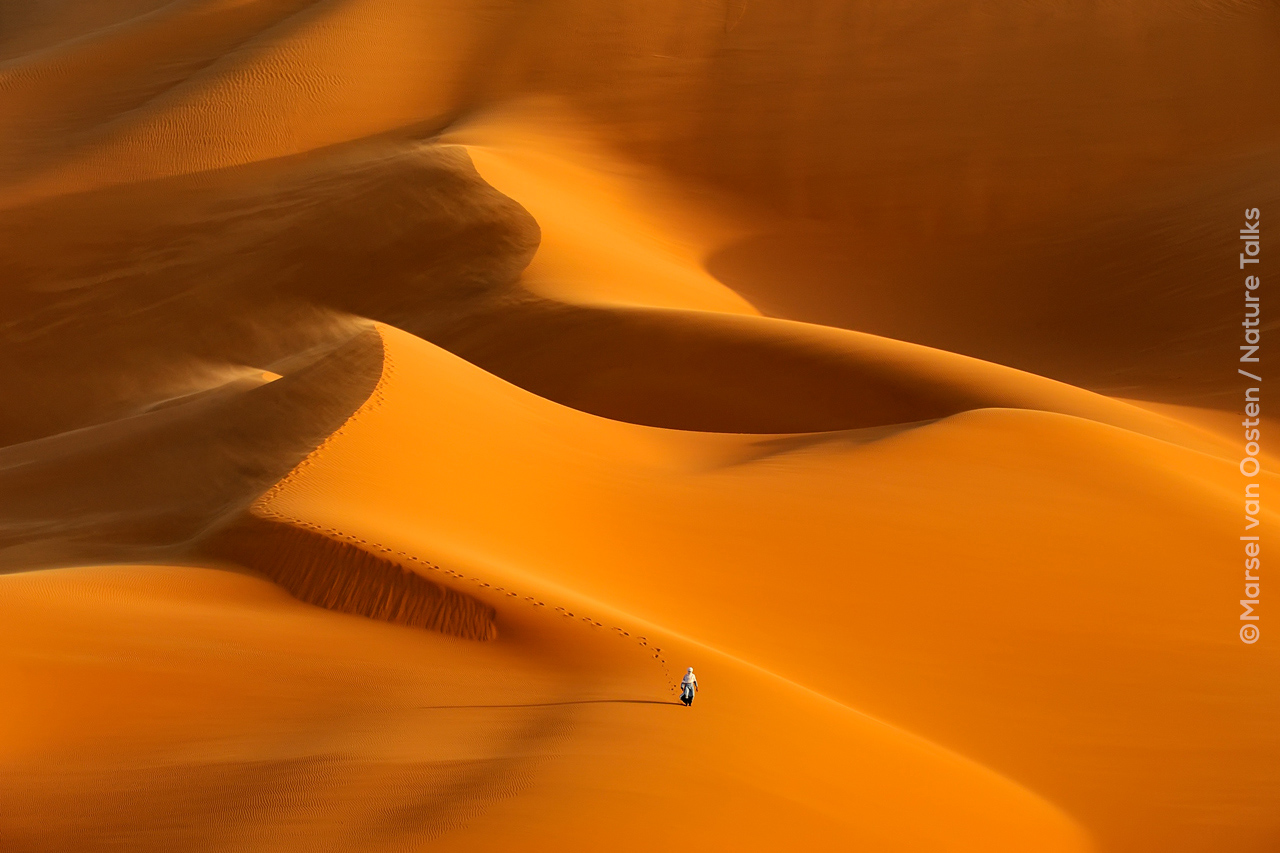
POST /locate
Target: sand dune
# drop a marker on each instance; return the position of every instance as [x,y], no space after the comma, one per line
[30,25]
[398,396]
[139,681]
[156,481]
[249,268]
[343,69]
[808,535]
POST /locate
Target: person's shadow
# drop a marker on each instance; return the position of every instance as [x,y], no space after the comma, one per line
[554,704]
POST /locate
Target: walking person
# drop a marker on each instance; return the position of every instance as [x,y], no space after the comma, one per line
[688,687]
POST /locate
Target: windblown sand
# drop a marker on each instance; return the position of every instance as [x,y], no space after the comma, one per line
[397,396]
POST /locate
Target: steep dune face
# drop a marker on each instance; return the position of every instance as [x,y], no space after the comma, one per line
[145,485]
[249,268]
[317,566]
[465,369]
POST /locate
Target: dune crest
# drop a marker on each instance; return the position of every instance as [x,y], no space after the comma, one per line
[149,485]
[397,396]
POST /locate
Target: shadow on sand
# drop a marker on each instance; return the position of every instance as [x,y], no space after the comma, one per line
[553,704]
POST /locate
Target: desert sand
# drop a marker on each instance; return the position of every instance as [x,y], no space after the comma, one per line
[398,395]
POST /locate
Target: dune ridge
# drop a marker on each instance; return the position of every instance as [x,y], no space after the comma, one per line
[399,394]
[337,572]
[250,266]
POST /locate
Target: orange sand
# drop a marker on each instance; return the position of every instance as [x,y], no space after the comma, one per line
[398,396]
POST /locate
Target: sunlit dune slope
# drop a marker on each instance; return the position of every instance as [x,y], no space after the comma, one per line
[58,97]
[301,727]
[989,580]
[158,708]
[612,231]
[251,81]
